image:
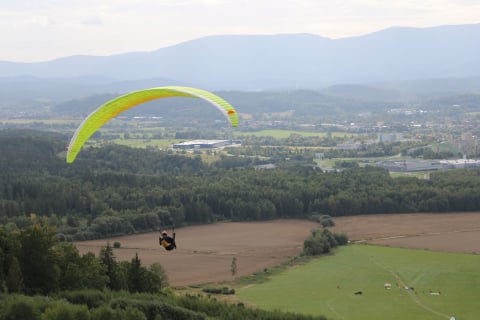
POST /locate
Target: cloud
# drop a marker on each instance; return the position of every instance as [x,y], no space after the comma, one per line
[55,28]
[92,21]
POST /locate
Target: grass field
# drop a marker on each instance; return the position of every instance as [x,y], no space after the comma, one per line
[326,286]
[143,143]
[281,134]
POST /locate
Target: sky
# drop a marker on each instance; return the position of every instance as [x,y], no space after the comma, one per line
[42,30]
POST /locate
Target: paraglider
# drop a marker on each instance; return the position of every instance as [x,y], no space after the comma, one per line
[166,241]
[114,107]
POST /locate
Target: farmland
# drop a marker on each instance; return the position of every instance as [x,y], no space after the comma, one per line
[284,238]
[325,286]
[424,285]
[205,252]
[439,264]
[452,232]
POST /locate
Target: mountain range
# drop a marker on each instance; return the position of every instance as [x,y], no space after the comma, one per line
[262,62]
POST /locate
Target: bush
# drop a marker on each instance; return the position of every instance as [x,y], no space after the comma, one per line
[212,290]
[90,298]
[116,244]
[64,311]
[224,290]
[104,312]
[324,219]
[19,309]
[322,241]
[341,238]
[327,223]
[153,309]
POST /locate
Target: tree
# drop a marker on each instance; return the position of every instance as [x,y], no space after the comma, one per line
[94,272]
[70,264]
[8,250]
[14,279]
[38,259]
[233,267]
[137,275]
[159,277]
[107,258]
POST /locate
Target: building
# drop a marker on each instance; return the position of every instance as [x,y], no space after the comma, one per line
[461,163]
[268,166]
[427,165]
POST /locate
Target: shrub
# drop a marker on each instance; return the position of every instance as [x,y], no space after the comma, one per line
[104,312]
[212,290]
[322,241]
[19,309]
[341,238]
[90,298]
[224,290]
[324,219]
[64,311]
[328,222]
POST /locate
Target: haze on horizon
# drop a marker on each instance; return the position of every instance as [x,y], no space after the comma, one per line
[41,30]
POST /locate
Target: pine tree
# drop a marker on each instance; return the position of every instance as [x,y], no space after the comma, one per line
[107,258]
[14,279]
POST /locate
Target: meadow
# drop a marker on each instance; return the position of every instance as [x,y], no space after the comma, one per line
[424,285]
[282,134]
[143,143]
[440,254]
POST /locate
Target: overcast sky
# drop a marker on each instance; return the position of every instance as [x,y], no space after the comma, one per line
[40,30]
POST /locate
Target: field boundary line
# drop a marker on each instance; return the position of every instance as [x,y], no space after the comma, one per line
[333,310]
[411,293]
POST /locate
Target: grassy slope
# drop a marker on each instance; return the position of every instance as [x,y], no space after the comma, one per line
[326,286]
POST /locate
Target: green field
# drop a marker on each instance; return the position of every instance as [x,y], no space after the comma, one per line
[143,143]
[326,286]
[281,134]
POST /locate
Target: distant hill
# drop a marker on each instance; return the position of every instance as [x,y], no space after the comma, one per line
[256,62]
[41,91]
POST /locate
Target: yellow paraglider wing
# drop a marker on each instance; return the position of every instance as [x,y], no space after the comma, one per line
[120,104]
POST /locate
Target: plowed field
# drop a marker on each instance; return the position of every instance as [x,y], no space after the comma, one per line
[205,253]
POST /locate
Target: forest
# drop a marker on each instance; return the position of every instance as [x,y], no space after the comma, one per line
[116,190]
[46,203]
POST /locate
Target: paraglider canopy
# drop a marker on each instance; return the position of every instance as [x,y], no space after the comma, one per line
[114,107]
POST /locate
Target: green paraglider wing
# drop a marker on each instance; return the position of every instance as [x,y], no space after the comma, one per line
[120,104]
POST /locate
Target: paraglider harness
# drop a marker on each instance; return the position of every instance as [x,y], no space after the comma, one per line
[167,242]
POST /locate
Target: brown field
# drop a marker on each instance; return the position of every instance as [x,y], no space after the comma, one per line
[205,253]
[452,232]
